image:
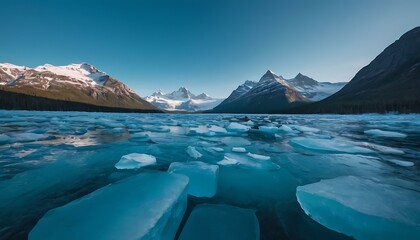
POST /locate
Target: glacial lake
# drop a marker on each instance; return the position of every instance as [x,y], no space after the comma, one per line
[49,159]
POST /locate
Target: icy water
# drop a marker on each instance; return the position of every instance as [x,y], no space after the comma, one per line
[49,159]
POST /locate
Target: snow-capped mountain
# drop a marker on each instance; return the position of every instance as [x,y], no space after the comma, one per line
[182,100]
[272,94]
[312,89]
[79,83]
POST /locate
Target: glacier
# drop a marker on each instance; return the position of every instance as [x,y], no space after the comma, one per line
[259,163]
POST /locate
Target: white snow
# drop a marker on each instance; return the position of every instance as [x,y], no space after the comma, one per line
[192,152]
[381,133]
[84,72]
[135,160]
[203,177]
[145,206]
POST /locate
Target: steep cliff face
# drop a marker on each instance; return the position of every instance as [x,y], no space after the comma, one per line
[390,83]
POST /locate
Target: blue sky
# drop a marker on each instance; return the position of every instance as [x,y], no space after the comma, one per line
[206,45]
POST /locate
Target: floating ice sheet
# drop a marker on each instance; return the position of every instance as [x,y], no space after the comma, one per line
[362,208]
[237,127]
[239,149]
[221,222]
[329,145]
[203,177]
[235,141]
[135,160]
[145,206]
[382,133]
[246,161]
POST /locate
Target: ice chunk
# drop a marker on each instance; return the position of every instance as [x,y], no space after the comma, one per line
[28,137]
[259,157]
[249,123]
[135,160]
[145,206]
[328,145]
[228,161]
[217,149]
[270,130]
[246,161]
[217,129]
[287,129]
[401,163]
[305,128]
[237,127]
[193,152]
[203,177]
[382,149]
[362,208]
[238,149]
[235,141]
[381,133]
[208,221]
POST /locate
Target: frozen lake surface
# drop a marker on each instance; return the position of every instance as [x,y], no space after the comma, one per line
[276,176]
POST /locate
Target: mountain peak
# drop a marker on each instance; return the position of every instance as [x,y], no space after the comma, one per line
[269,72]
[88,67]
[302,80]
[299,75]
[270,76]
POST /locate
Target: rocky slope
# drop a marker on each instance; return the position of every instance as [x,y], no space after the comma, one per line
[390,83]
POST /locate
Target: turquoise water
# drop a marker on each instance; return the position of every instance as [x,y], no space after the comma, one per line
[49,159]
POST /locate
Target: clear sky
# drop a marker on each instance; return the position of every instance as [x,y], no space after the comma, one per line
[207,46]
